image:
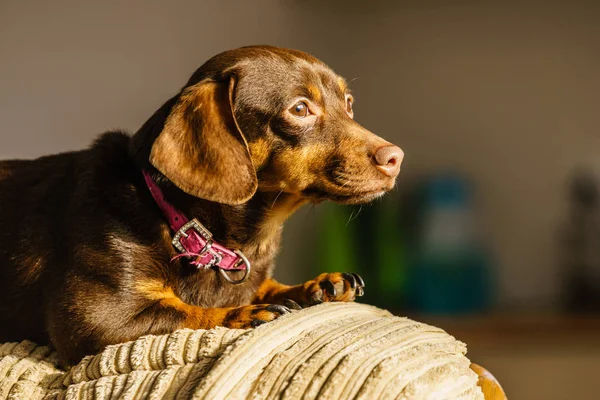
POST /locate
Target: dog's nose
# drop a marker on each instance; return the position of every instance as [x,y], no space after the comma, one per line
[388,159]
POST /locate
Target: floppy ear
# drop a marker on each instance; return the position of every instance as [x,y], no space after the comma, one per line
[201,148]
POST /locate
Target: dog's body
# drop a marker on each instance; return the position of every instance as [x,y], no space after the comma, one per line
[86,257]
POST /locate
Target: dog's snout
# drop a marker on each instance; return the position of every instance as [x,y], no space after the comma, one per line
[388,159]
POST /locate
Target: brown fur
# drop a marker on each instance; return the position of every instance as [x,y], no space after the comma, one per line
[85,252]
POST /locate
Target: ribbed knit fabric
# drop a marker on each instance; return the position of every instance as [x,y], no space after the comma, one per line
[331,351]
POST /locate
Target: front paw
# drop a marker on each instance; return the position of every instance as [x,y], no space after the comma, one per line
[254,315]
[335,286]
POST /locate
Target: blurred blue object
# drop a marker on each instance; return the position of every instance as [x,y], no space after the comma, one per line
[450,272]
[448,191]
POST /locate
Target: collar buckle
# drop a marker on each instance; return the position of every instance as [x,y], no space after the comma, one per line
[215,256]
[200,229]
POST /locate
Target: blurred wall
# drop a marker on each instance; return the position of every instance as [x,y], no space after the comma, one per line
[71,70]
[508,92]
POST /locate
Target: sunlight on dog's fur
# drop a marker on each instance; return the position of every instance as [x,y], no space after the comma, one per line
[86,258]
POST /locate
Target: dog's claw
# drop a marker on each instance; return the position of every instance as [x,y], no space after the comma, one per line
[328,287]
[278,309]
[360,291]
[350,278]
[257,322]
[292,305]
[360,281]
[316,299]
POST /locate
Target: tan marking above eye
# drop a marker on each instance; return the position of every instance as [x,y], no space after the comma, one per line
[314,92]
[300,109]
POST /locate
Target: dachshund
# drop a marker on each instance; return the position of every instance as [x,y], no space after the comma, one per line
[177,226]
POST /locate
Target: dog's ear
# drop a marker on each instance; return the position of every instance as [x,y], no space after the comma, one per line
[201,148]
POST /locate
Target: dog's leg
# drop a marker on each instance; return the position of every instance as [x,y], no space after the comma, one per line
[164,300]
[325,287]
[195,317]
[96,317]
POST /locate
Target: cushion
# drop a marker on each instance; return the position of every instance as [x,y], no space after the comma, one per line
[330,351]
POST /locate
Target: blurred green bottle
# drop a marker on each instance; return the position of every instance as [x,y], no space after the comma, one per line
[366,240]
[336,242]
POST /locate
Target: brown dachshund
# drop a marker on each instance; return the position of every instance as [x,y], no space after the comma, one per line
[87,256]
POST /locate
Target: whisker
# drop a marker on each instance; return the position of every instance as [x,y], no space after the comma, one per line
[310,212]
[355,216]
[275,201]
[350,218]
[330,168]
[347,182]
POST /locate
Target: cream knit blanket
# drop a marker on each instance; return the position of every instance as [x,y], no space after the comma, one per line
[331,351]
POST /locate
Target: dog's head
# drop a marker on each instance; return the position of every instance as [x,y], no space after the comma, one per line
[271,119]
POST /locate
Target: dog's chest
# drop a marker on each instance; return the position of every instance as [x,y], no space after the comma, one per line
[207,288]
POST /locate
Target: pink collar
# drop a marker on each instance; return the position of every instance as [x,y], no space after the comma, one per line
[193,240]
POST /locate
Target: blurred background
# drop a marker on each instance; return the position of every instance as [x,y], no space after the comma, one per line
[493,230]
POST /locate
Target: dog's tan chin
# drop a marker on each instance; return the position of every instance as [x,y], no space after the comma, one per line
[364,193]
[357,198]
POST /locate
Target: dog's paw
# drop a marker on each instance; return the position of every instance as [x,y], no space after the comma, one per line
[335,286]
[253,315]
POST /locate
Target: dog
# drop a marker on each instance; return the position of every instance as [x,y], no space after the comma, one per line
[177,226]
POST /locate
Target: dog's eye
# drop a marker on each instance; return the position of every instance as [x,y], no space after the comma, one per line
[300,109]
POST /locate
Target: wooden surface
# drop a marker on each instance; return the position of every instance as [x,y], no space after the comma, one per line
[488,384]
[560,349]
[523,330]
